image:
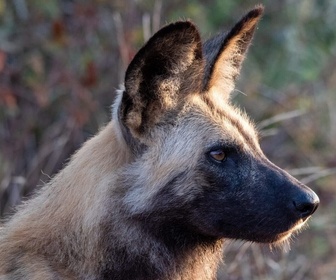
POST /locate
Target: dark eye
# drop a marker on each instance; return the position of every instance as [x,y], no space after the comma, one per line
[218,155]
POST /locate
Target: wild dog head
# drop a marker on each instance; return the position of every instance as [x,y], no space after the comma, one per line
[197,166]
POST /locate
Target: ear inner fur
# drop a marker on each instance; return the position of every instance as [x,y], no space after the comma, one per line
[166,69]
[225,53]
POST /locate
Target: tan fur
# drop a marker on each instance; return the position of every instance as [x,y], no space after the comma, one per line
[76,197]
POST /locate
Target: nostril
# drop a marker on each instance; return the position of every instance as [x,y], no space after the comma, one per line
[306,208]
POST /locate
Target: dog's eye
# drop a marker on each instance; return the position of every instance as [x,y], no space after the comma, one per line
[218,155]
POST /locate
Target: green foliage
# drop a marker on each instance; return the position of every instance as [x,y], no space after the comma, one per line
[50,9]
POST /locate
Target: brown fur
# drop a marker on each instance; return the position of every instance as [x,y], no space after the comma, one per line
[143,199]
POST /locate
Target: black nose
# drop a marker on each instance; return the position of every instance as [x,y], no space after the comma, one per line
[306,204]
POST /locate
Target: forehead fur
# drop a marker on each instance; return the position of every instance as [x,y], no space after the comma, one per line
[220,121]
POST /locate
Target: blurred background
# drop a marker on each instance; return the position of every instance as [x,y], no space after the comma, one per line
[62,60]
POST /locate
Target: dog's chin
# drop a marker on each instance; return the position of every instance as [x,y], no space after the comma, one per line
[282,240]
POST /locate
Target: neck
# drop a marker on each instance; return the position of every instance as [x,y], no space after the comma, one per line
[154,250]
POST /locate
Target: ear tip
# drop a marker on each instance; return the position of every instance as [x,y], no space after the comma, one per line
[186,25]
[183,23]
[257,11]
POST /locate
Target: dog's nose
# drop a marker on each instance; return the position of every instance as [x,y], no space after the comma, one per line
[306,204]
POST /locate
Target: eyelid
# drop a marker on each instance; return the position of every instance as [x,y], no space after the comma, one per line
[226,148]
[220,153]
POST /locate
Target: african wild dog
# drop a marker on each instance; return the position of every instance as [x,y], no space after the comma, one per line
[178,170]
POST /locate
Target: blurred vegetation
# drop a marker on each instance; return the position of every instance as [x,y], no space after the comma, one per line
[62,60]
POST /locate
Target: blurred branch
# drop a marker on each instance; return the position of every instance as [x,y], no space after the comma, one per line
[259,260]
[280,117]
[157,15]
[146,27]
[305,170]
[21,9]
[238,258]
[314,173]
[318,175]
[123,50]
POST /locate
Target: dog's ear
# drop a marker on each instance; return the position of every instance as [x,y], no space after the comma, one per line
[225,53]
[163,72]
